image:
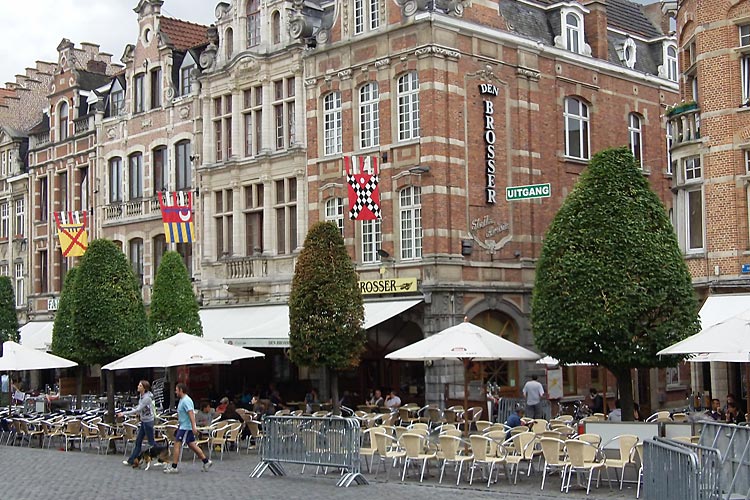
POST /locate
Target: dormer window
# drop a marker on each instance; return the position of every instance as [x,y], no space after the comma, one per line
[626,53]
[670,62]
[366,16]
[573,31]
[116,99]
[186,78]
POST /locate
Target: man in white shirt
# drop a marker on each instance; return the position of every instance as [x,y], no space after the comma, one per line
[533,391]
[392,401]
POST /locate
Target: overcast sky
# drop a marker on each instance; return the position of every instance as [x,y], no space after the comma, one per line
[30,30]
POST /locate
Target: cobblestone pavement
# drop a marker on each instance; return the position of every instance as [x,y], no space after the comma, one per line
[34,474]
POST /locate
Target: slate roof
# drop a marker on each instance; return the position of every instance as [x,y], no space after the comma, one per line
[183,35]
[42,126]
[630,18]
[90,81]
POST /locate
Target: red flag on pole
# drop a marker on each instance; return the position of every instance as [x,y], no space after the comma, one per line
[362,176]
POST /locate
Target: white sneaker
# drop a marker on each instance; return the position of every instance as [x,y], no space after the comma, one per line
[207,466]
[171,470]
[125,462]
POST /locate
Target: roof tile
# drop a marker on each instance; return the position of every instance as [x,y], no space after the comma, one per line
[183,35]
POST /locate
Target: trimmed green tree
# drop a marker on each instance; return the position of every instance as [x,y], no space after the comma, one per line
[8,316]
[63,334]
[611,285]
[173,303]
[326,312]
[110,320]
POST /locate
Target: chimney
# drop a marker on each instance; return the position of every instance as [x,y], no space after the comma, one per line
[95,66]
[596,28]
[658,17]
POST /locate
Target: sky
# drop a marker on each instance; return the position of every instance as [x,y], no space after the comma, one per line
[30,30]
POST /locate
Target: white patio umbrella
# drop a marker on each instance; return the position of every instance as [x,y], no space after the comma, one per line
[464,342]
[180,350]
[728,341]
[19,358]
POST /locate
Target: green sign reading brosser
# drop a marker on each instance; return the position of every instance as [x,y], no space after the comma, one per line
[526,192]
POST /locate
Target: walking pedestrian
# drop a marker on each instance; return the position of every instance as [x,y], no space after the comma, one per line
[534,391]
[186,431]
[146,410]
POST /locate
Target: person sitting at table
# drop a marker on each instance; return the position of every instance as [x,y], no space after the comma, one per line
[311,398]
[276,400]
[205,415]
[222,406]
[514,419]
[376,399]
[616,414]
[715,411]
[392,400]
[733,414]
[230,413]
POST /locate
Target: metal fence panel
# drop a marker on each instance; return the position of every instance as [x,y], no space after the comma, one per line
[329,442]
[506,406]
[733,444]
[709,480]
[669,472]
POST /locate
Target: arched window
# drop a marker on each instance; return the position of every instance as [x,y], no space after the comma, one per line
[253,23]
[135,176]
[332,123]
[62,121]
[135,248]
[369,116]
[335,212]
[635,137]
[408,106]
[671,62]
[576,116]
[115,180]
[573,32]
[410,207]
[276,27]
[229,43]
[183,166]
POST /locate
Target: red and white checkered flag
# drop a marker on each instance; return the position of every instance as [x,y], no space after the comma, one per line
[362,176]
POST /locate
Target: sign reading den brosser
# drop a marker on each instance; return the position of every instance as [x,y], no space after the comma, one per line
[488,107]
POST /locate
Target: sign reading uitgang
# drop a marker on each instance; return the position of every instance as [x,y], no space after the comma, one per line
[527,192]
[392,285]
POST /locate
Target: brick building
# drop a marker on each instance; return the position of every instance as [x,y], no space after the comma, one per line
[460,102]
[710,134]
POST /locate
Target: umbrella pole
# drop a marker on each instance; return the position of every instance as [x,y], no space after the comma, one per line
[466,395]
[747,388]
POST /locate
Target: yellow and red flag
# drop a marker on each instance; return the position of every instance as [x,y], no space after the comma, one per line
[177,215]
[71,229]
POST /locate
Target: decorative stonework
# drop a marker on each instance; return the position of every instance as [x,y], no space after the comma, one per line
[111,133]
[185,112]
[437,50]
[146,123]
[345,74]
[310,82]
[528,73]
[382,63]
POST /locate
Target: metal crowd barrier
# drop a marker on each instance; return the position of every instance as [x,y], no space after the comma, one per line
[733,444]
[680,471]
[506,406]
[311,441]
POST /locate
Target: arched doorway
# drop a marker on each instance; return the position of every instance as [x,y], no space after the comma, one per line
[502,374]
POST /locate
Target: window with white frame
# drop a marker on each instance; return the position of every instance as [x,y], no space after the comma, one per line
[670,139]
[222,122]
[62,121]
[744,35]
[673,376]
[694,219]
[186,75]
[4,220]
[223,222]
[135,176]
[253,212]
[4,155]
[20,228]
[253,23]
[332,123]
[635,136]
[577,139]
[115,180]
[4,270]
[139,93]
[745,77]
[573,31]
[155,81]
[366,15]
[285,207]
[20,290]
[252,117]
[692,170]
[183,170]
[160,168]
[136,258]
[410,208]
[369,116]
[371,240]
[335,212]
[116,99]
[408,106]
[671,63]
[283,112]
[276,27]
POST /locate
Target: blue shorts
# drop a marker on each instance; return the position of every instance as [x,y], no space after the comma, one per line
[184,436]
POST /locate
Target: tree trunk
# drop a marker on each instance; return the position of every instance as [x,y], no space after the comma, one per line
[334,381]
[79,386]
[625,388]
[110,396]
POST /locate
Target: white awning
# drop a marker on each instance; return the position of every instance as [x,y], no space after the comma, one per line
[268,325]
[37,335]
[718,308]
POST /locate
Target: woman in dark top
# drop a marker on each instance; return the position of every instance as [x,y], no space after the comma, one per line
[230,413]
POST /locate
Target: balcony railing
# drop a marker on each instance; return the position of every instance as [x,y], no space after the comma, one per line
[686,123]
[83,124]
[39,139]
[245,267]
[133,209]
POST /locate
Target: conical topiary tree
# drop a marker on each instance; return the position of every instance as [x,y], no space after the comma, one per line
[63,333]
[325,306]
[110,320]
[611,285]
[173,303]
